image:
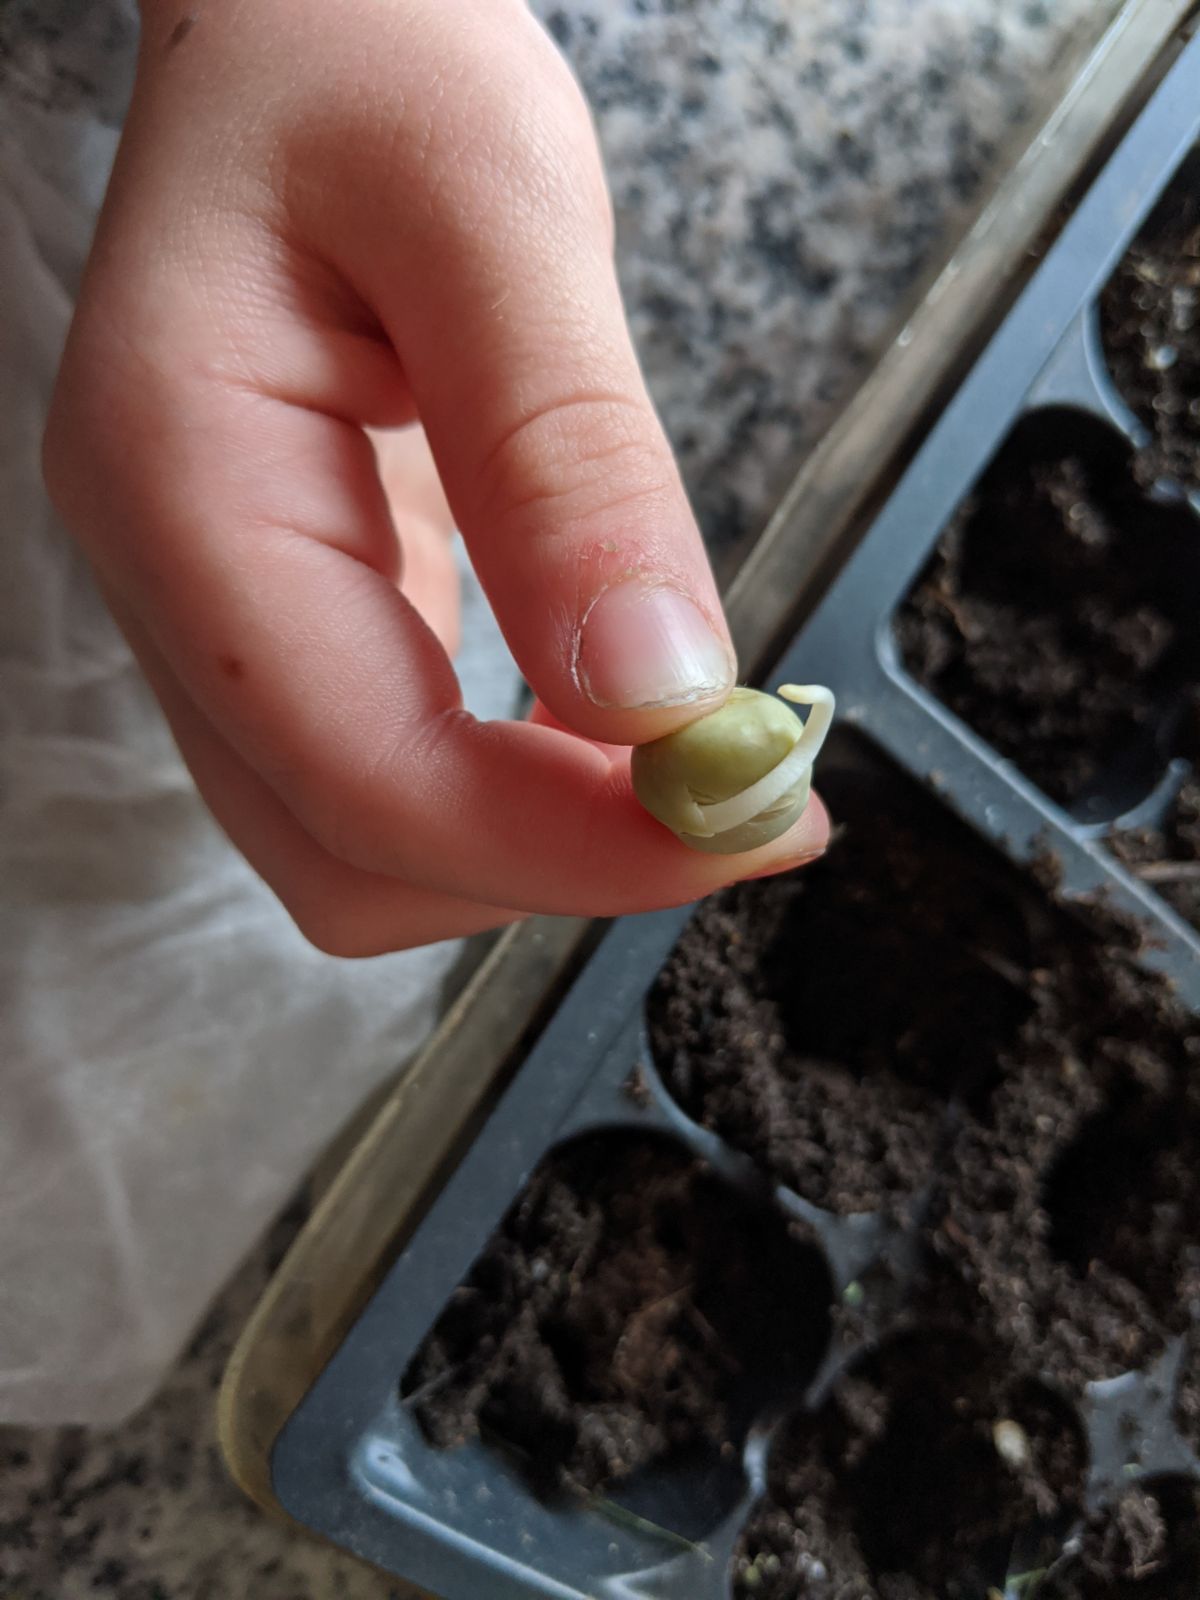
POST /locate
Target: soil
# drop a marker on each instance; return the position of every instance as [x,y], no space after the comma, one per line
[1146,1547]
[637,1090]
[1056,615]
[1091,1269]
[897,1487]
[1066,1220]
[1167,857]
[1150,325]
[1187,1398]
[910,1001]
[823,1022]
[631,1310]
[911,1014]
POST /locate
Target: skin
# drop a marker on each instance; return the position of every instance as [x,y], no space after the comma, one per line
[327,224]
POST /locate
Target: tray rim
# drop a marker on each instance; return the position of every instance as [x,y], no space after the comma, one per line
[333,1264]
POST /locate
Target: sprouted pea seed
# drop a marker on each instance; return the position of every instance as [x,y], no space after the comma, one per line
[739,777]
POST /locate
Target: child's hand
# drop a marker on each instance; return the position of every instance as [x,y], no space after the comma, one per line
[332,216]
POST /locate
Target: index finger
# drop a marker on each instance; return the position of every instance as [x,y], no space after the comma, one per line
[500,295]
[254,585]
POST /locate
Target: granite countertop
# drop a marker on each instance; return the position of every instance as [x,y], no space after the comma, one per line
[783,177]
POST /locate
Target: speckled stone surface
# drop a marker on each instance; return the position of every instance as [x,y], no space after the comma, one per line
[784,174]
[148,1512]
[781,183]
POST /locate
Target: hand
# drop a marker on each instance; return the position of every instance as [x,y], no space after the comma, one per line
[326,218]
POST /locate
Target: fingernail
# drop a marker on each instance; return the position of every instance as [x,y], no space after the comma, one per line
[785,866]
[643,646]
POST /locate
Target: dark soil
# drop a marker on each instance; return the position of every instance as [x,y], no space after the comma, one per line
[913,1011]
[1187,1398]
[1091,1273]
[1167,857]
[898,1486]
[1150,323]
[823,1022]
[907,1013]
[1068,1219]
[1125,1194]
[631,1310]
[1146,1547]
[1057,614]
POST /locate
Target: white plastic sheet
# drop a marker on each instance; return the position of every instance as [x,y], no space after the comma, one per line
[172,1054]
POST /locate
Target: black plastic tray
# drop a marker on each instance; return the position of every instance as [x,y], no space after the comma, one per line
[352,1462]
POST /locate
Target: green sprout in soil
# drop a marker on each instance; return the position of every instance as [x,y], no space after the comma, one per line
[1025,1585]
[630,1519]
[739,777]
[598,1503]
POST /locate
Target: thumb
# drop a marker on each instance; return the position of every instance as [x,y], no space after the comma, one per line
[503,304]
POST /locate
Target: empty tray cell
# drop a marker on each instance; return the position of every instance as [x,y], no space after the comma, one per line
[1150,325]
[822,1022]
[631,1315]
[918,1474]
[1056,616]
[1145,1547]
[1067,1219]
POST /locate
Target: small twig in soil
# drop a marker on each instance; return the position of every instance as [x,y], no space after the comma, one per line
[1012,974]
[432,1385]
[1025,1585]
[965,626]
[1168,871]
[630,1519]
[647,1314]
[713,1338]
[643,1314]
[954,1232]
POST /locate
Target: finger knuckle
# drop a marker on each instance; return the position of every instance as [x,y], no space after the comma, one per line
[580,460]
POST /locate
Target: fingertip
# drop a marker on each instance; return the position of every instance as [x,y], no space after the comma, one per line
[652,655]
[816,815]
[803,844]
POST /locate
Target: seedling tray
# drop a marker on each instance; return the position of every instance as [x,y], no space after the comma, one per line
[804,1305]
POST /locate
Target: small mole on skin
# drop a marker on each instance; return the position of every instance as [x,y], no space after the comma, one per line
[181,30]
[232,667]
